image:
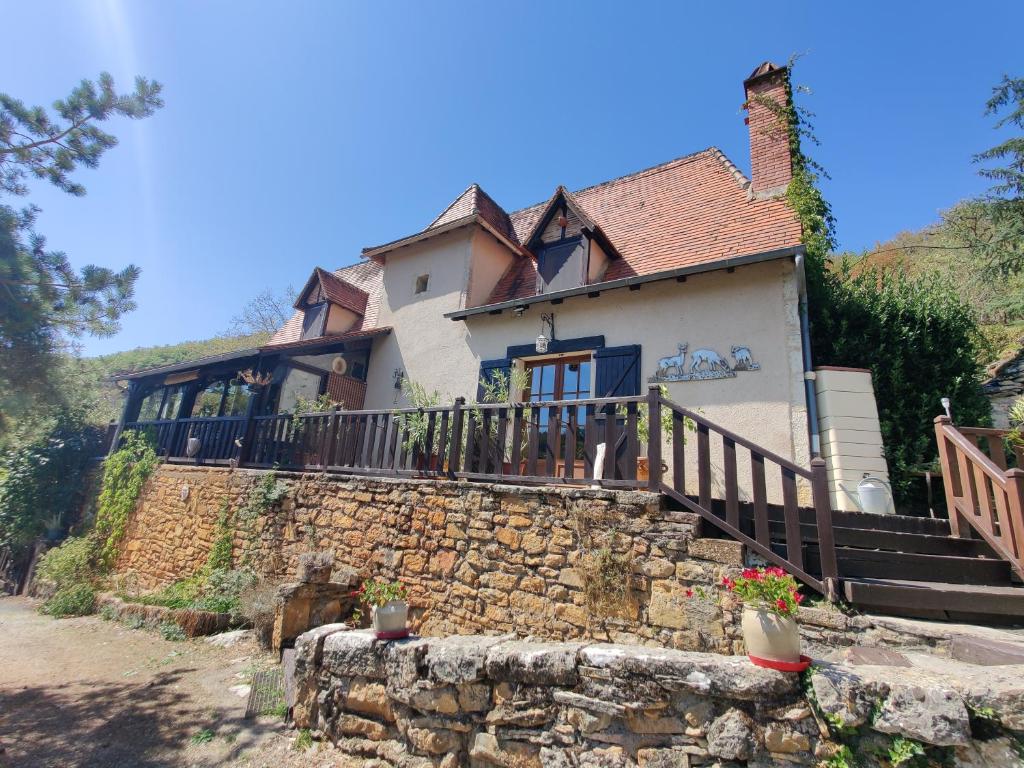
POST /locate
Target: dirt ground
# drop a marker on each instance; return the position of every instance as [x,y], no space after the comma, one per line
[88,692]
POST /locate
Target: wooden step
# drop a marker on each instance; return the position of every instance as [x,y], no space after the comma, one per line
[926,526]
[953,600]
[890,541]
[867,563]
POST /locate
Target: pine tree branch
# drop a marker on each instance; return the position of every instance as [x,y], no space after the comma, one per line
[43,142]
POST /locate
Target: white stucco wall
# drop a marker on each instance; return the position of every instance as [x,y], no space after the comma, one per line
[340,319]
[755,306]
[427,347]
[490,260]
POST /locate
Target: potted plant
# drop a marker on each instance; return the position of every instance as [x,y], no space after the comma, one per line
[770,598]
[388,608]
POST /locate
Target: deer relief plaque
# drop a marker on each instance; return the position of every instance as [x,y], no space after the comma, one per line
[703,363]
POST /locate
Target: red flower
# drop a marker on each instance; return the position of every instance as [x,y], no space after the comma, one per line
[689,593]
[781,605]
[728,583]
[798,597]
[776,571]
[754,574]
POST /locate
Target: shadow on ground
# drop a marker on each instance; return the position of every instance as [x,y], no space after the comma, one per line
[108,725]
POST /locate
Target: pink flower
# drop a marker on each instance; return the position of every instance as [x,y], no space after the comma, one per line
[728,583]
[797,597]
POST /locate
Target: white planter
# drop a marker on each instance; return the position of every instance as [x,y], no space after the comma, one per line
[769,636]
[391,617]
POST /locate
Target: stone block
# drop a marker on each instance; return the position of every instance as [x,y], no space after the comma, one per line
[369,698]
[703,673]
[433,741]
[534,663]
[731,736]
[352,725]
[717,550]
[932,715]
[785,740]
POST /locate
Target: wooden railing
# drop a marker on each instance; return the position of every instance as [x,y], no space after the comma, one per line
[982,490]
[218,438]
[596,442]
[762,465]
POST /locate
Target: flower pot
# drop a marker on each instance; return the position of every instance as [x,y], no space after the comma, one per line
[770,637]
[389,619]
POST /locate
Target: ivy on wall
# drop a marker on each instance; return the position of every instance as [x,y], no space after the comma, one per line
[918,337]
[125,472]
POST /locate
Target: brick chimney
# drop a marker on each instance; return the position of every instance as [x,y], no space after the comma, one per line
[770,160]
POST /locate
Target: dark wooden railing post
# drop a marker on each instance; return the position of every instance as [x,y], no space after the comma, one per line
[332,437]
[456,446]
[654,437]
[823,517]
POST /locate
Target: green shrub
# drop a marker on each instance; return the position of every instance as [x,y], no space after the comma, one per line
[107,613]
[76,600]
[73,562]
[171,631]
[921,342]
[43,481]
[124,473]
[134,621]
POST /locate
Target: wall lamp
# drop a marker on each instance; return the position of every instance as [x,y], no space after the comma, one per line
[548,321]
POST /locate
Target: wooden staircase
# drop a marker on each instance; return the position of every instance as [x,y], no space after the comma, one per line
[969,570]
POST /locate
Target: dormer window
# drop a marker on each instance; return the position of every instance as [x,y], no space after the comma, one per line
[570,248]
[329,305]
[561,265]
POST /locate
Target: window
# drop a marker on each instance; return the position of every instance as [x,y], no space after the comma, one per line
[564,379]
[560,265]
[421,283]
[314,320]
[223,397]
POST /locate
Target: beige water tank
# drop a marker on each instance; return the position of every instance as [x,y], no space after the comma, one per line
[851,438]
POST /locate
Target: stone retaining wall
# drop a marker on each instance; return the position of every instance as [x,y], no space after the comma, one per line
[487,558]
[494,701]
[476,558]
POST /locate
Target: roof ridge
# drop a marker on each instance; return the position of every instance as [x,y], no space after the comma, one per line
[458,197]
[667,165]
[731,167]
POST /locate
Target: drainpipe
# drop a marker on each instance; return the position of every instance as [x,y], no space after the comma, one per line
[805,342]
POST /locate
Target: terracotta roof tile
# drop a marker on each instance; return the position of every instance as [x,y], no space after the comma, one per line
[689,211]
[342,293]
[475,201]
[366,277]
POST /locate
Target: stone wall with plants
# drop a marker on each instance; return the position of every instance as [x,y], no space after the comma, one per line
[498,701]
[553,563]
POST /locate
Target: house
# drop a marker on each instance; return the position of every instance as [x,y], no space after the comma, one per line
[689,273]
[659,317]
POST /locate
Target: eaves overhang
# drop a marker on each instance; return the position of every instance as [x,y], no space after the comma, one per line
[594,289]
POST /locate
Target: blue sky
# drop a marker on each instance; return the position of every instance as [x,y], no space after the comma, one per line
[296,133]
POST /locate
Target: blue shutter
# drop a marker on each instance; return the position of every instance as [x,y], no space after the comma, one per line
[618,371]
[488,369]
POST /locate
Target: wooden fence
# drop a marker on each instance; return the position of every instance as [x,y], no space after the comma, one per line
[984,487]
[609,442]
